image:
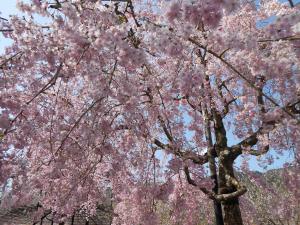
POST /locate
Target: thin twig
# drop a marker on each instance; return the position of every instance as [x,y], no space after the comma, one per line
[77,122]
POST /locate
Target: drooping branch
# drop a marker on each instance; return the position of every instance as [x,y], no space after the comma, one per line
[210,194]
[77,122]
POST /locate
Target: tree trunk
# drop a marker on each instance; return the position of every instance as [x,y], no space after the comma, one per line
[214,177]
[218,213]
[231,212]
[212,168]
[231,208]
[72,220]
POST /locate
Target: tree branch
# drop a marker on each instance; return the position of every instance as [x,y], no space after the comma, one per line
[289,38]
[291,3]
[235,194]
[9,59]
[257,152]
[240,189]
[210,194]
[248,81]
[165,129]
[184,155]
[218,197]
[50,83]
[77,122]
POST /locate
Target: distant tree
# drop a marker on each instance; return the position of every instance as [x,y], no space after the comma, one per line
[140,96]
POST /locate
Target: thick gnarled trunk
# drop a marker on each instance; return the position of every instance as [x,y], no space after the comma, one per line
[231,208]
[231,212]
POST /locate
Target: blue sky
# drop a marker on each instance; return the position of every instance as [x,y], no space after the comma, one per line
[8,7]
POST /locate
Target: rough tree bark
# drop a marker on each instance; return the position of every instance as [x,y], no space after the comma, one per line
[211,153]
[231,209]
[232,213]
[212,168]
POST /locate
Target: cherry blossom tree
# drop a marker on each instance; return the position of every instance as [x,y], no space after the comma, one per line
[141,97]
